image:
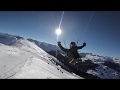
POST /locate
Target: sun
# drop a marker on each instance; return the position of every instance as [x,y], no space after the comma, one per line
[58,31]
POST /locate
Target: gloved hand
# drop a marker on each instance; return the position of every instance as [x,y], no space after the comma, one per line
[84,44]
[59,42]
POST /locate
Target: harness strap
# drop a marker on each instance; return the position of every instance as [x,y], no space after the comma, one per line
[71,61]
[75,60]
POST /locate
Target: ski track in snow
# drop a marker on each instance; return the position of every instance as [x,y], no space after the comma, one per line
[36,63]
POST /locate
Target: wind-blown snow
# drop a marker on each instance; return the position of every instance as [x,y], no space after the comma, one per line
[24,59]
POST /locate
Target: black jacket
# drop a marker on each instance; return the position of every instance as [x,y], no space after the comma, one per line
[71,53]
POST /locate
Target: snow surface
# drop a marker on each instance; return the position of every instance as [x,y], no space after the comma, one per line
[102,71]
[24,59]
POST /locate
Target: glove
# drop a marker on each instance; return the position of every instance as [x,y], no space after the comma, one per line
[59,42]
[84,44]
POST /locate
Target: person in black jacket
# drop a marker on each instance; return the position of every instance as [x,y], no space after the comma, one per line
[72,53]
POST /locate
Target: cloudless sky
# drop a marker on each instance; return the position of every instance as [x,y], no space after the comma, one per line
[102,35]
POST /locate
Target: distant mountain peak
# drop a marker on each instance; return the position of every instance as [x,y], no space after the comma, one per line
[9,39]
[45,46]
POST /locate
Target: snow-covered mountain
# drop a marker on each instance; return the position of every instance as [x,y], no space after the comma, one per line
[27,58]
[45,46]
[20,58]
[102,66]
[9,39]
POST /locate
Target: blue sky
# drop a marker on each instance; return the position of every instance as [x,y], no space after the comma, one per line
[102,35]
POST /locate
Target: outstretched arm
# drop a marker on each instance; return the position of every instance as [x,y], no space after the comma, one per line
[61,47]
[80,47]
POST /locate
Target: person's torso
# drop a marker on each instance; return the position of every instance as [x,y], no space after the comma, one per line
[72,53]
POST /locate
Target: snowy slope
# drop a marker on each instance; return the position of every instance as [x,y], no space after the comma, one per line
[24,59]
[105,72]
[38,68]
[106,67]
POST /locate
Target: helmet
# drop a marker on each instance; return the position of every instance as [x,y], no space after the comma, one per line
[72,44]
